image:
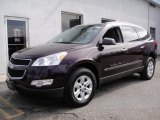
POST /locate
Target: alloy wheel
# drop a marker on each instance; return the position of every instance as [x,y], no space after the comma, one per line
[82,88]
[150,68]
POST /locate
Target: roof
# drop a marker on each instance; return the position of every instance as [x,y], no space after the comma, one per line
[155,2]
[116,23]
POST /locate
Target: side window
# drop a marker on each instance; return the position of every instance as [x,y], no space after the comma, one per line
[142,33]
[129,34]
[114,33]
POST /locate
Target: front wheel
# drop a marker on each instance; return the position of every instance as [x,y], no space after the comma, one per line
[149,69]
[80,88]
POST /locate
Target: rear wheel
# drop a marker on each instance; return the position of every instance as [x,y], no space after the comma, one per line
[149,69]
[80,88]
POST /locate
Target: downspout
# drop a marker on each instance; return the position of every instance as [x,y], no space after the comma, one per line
[148,17]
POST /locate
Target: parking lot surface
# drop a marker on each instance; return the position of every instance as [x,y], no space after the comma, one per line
[125,99]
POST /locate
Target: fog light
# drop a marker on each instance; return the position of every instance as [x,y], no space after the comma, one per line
[40,83]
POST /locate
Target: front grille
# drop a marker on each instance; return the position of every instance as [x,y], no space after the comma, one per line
[16,73]
[17,61]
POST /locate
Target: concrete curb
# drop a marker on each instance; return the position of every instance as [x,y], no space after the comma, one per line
[2,78]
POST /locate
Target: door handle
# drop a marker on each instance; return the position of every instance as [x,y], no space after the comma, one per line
[124,49]
[142,47]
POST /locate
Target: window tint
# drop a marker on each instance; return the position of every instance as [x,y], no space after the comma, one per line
[129,34]
[115,34]
[142,33]
[78,35]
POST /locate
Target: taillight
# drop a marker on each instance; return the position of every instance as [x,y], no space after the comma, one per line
[154,46]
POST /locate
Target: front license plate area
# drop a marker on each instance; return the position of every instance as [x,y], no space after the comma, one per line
[10,85]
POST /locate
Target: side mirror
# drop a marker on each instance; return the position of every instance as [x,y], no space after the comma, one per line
[108,41]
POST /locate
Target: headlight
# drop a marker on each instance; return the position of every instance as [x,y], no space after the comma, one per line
[50,60]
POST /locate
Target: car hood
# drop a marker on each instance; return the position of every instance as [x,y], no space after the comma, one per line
[44,50]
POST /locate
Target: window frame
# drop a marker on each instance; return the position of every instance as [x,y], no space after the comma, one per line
[16,18]
[120,34]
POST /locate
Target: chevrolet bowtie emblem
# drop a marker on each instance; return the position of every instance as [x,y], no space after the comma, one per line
[11,66]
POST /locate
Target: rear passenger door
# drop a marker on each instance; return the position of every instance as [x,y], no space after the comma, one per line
[135,47]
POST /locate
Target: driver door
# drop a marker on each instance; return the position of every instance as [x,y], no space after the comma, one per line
[113,57]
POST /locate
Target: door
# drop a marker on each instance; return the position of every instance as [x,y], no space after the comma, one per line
[135,47]
[113,56]
[17,34]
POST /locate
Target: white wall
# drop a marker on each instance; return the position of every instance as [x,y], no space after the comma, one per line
[154,16]
[45,17]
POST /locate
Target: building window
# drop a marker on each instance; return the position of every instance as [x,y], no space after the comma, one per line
[16,35]
[153,32]
[104,20]
[70,20]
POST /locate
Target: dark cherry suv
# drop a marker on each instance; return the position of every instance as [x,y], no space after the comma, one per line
[75,63]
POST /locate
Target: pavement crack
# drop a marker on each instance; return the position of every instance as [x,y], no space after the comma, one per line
[75,116]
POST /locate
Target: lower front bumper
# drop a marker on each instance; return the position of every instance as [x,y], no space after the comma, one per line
[57,92]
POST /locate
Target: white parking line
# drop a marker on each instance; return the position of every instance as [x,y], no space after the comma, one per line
[14,108]
[2,81]
[2,78]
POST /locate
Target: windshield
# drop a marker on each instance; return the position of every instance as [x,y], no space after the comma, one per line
[78,35]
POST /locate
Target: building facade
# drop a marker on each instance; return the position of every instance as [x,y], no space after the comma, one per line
[27,23]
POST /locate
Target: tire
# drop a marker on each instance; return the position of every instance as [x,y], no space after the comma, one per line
[80,88]
[149,69]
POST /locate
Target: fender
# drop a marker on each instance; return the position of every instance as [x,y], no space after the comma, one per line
[81,63]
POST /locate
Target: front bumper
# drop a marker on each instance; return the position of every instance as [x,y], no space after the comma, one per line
[54,92]
[21,73]
[57,73]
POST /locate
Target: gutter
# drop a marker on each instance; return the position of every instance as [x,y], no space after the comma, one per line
[155,2]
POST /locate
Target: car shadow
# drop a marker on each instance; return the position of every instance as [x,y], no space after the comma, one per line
[36,104]
[118,84]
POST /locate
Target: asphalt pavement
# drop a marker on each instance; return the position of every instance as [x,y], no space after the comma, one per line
[125,99]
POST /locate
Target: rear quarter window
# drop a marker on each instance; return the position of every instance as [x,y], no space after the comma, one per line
[129,34]
[142,33]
